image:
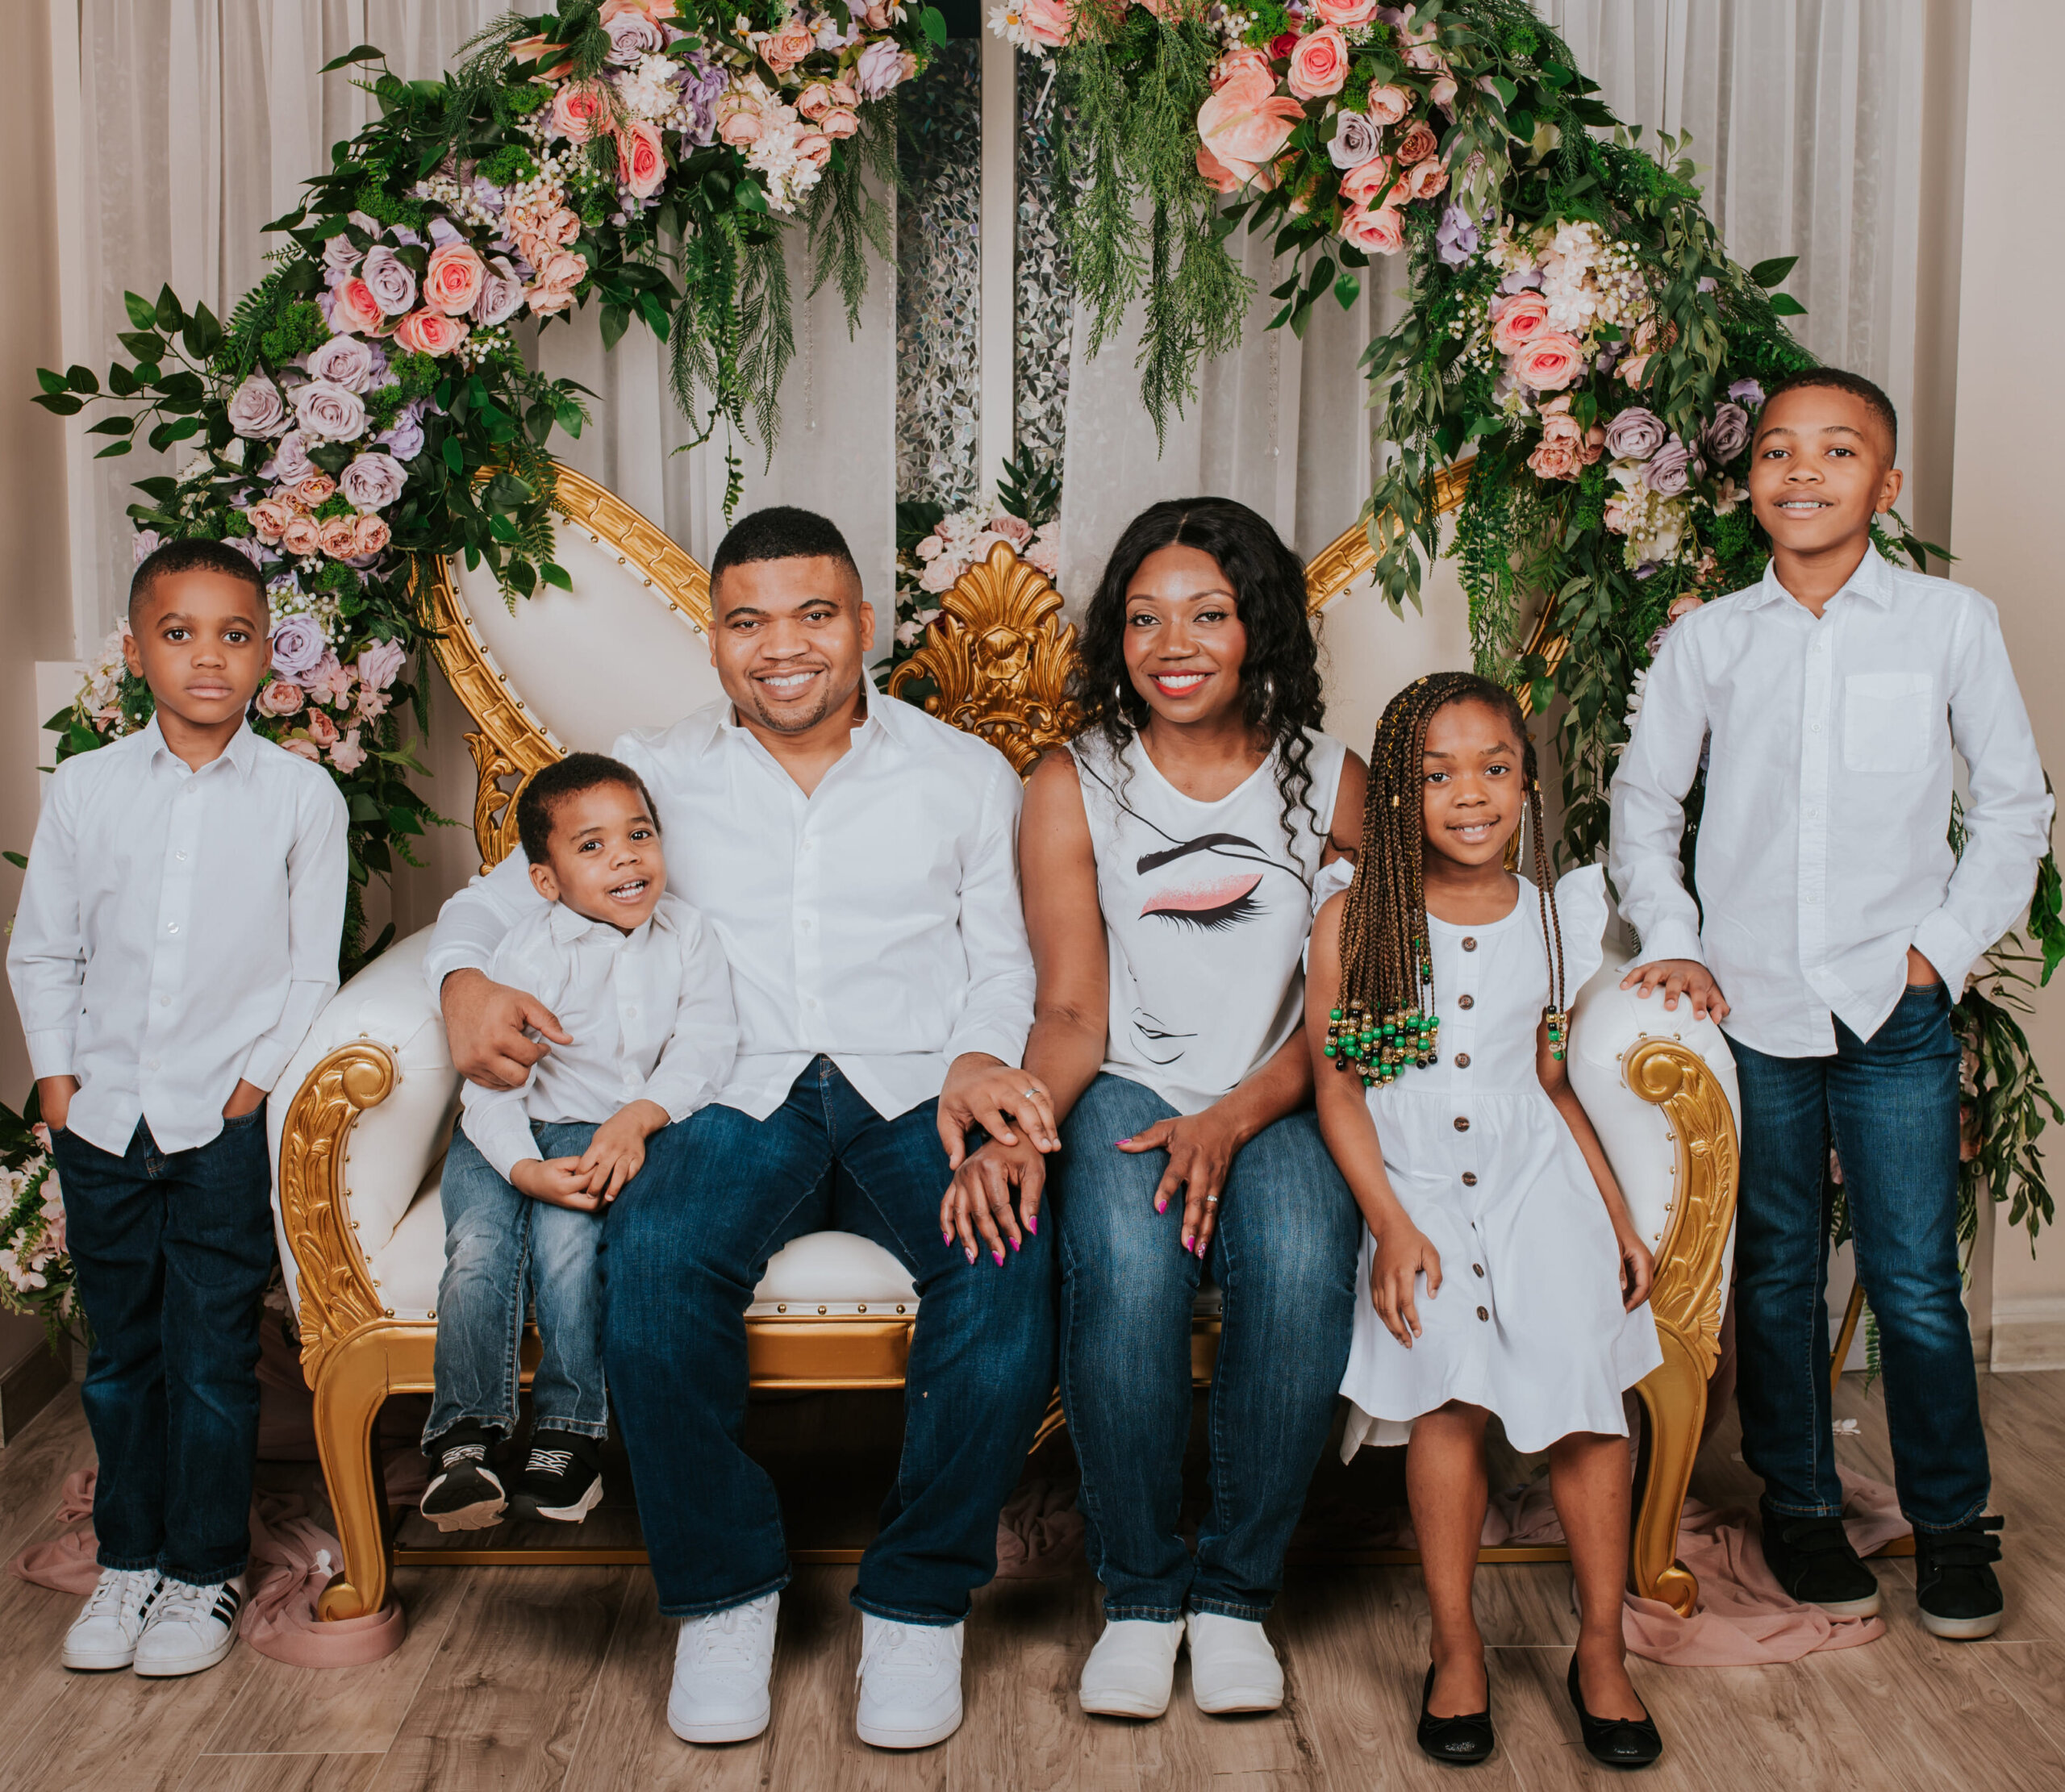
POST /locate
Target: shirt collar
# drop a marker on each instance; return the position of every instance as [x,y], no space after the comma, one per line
[242,751]
[1872,583]
[874,725]
[568,924]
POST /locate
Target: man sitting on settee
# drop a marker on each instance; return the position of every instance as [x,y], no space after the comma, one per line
[857,860]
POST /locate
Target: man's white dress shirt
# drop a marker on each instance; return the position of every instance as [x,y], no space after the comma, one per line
[877,920]
[649,1012]
[178,930]
[1823,853]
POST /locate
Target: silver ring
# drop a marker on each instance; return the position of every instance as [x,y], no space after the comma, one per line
[1030,1094]
[1212,1201]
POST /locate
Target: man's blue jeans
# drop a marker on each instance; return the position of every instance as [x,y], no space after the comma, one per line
[499,1246]
[686,1245]
[1889,1104]
[1284,1258]
[173,1250]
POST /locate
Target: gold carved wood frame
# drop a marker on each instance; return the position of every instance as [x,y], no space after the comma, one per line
[997,660]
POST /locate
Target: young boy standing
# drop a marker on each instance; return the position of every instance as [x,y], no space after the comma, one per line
[631,987]
[179,932]
[1832,913]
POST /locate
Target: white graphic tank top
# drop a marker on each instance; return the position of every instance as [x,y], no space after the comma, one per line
[1207,906]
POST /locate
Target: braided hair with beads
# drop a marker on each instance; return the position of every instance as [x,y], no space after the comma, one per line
[1383,1022]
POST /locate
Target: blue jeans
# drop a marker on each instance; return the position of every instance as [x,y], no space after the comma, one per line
[1889,1104]
[173,1252]
[498,1245]
[687,1242]
[1283,1257]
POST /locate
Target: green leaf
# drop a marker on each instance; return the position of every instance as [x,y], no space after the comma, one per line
[147,346]
[1771,273]
[365,52]
[506,492]
[61,404]
[616,319]
[121,382]
[553,573]
[112,426]
[167,315]
[933,23]
[454,456]
[1785,304]
[113,449]
[81,379]
[140,310]
[1347,288]
[49,381]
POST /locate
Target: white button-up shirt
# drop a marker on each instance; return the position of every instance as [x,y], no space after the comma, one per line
[877,920]
[650,1014]
[178,930]
[1823,853]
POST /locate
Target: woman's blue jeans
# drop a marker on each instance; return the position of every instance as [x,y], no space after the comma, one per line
[1283,1258]
[1889,1104]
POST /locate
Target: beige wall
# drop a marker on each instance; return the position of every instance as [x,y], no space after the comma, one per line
[2006,507]
[36,611]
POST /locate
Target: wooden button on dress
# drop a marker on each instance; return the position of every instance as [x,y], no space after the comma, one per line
[1462,1060]
[1477,1267]
[1462,1124]
[1482,1314]
[1465,1002]
[1470,945]
[1470,1178]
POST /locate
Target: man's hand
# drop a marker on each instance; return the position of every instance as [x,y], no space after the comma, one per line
[1921,973]
[617,1152]
[1677,976]
[53,1099]
[560,1182]
[1201,1148]
[484,1024]
[983,1091]
[242,1100]
[1403,1253]
[979,1199]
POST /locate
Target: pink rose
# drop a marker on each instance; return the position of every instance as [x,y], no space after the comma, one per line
[1683,607]
[554,289]
[659,11]
[1549,360]
[380,663]
[1424,58]
[280,696]
[347,755]
[1388,104]
[1442,93]
[641,165]
[814,147]
[1417,144]
[785,49]
[1247,121]
[560,229]
[1375,230]
[1525,315]
[1345,12]
[1047,556]
[321,729]
[369,534]
[301,537]
[1553,459]
[845,94]
[1632,371]
[1319,66]
[815,101]
[335,537]
[303,748]
[940,575]
[1047,22]
[1365,185]
[876,18]
[1425,179]
[1240,60]
[353,309]
[317,489]
[739,122]
[429,333]
[578,111]
[453,281]
[270,518]
[1013,529]
[839,122]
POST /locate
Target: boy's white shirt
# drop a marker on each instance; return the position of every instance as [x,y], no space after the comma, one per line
[1823,852]
[650,1014]
[178,930]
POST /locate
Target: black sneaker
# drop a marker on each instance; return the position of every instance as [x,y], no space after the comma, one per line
[1955,1584]
[465,1493]
[1815,1565]
[561,1479]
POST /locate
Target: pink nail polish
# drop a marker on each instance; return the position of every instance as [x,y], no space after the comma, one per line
[1014,1244]
[1122,1141]
[971,1253]
[1033,1224]
[946,1238]
[1163,1205]
[1000,1256]
[1186,1241]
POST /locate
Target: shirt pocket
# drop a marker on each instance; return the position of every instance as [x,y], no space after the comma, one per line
[1890,721]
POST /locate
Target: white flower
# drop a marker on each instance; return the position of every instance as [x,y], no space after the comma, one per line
[1009,24]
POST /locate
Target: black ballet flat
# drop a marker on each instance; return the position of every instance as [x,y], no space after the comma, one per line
[1456,1741]
[1615,1741]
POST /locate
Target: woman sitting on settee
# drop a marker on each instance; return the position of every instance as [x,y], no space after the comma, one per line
[1167,857]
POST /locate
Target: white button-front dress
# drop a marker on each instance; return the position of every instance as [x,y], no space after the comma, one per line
[1528,1321]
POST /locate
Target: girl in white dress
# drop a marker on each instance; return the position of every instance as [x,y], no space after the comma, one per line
[1504,1274]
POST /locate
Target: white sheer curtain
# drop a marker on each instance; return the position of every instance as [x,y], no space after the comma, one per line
[1805,116]
[201,118]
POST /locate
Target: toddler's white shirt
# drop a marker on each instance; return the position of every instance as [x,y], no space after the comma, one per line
[649,1012]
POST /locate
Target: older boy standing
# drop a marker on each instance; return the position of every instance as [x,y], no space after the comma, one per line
[1834,914]
[179,932]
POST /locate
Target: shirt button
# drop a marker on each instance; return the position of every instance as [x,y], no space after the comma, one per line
[181,856]
[1813,728]
[1470,945]
[1470,1178]
[150,1064]
[1477,1268]
[172,927]
[1462,1122]
[165,1001]
[1482,1314]
[631,1012]
[1465,1002]
[1462,1060]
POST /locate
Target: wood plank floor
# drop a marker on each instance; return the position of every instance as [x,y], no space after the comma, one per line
[557,1677]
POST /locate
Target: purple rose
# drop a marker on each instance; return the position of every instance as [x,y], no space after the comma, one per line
[386,275]
[372,481]
[290,463]
[881,69]
[256,409]
[633,36]
[339,257]
[1457,240]
[1521,280]
[143,545]
[1671,469]
[500,294]
[328,412]
[298,646]
[1356,140]
[700,85]
[252,549]
[1747,392]
[403,439]
[1725,436]
[378,663]
[351,361]
[442,232]
[1634,434]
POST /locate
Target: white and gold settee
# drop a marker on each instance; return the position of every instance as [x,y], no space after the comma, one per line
[369,1099]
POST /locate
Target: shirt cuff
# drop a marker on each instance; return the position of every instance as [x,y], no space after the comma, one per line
[1950,949]
[1000,1042]
[501,1133]
[1672,938]
[267,1060]
[51,1052]
[439,964]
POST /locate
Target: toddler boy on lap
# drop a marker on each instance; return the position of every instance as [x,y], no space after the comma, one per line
[179,932]
[631,989]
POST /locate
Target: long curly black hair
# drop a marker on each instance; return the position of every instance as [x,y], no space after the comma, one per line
[1280,676]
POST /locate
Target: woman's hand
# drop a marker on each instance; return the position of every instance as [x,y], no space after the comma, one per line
[979,1199]
[53,1099]
[1403,1253]
[1638,1267]
[1201,1148]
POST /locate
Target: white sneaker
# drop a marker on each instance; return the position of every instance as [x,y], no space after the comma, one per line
[104,1634]
[189,1628]
[910,1683]
[1130,1671]
[1232,1666]
[722,1665]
